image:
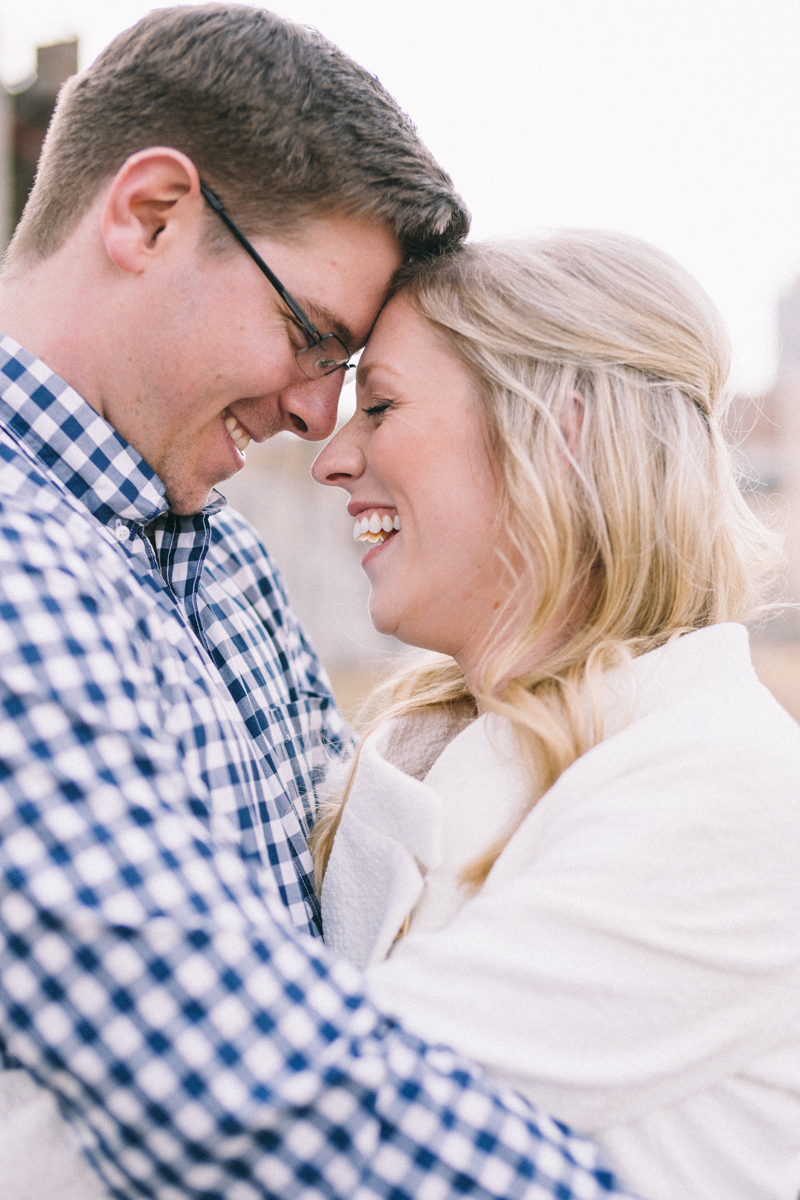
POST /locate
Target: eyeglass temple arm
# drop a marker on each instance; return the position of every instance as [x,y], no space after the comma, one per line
[285,296]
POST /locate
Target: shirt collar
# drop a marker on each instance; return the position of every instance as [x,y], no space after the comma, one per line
[87,454]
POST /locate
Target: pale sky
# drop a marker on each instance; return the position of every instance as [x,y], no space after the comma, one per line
[676,120]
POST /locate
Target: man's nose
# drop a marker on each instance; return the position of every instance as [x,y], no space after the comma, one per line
[309,407]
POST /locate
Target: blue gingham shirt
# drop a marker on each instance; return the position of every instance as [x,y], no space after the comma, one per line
[161,721]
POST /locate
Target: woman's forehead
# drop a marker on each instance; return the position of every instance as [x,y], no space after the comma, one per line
[403,342]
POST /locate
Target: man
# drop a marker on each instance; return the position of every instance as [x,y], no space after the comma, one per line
[162,715]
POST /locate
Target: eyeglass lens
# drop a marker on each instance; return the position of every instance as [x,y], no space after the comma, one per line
[324,357]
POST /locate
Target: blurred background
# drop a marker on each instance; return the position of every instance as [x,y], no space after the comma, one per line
[678,122]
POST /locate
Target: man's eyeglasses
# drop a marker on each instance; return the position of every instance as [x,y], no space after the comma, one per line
[325,352]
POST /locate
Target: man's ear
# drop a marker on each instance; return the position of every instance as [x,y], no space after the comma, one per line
[153,197]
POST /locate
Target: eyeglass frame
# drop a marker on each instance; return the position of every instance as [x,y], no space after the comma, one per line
[312,333]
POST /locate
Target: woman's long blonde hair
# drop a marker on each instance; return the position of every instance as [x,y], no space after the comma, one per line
[641,512]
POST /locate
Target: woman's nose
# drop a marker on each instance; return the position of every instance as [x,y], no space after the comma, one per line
[341,462]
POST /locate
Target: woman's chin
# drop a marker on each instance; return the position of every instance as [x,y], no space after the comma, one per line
[391,618]
[383,619]
[409,628]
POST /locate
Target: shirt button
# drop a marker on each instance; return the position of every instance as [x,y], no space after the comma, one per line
[122,533]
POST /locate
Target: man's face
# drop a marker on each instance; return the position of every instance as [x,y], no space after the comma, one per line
[210,354]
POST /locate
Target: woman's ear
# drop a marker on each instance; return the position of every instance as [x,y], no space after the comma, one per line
[572,422]
[153,196]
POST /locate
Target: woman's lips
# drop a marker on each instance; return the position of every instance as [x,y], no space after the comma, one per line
[378,547]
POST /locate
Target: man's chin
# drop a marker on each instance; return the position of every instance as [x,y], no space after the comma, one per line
[187,497]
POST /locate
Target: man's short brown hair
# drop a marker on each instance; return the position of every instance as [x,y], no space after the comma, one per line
[277,120]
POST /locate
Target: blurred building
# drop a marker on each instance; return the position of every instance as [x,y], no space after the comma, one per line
[25,112]
[30,107]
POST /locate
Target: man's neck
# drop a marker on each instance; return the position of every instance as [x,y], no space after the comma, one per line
[51,307]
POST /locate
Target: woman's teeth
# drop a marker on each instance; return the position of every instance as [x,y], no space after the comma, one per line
[240,437]
[375,527]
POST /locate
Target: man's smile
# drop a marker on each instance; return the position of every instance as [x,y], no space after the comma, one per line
[239,435]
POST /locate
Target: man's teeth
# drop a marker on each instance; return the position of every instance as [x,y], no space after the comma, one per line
[374,527]
[240,437]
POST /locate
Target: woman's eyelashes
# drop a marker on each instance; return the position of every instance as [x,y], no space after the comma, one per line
[377,409]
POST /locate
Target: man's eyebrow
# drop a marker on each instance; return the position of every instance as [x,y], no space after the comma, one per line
[326,322]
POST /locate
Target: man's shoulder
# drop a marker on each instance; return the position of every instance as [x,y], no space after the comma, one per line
[33,514]
[56,561]
[23,480]
[51,546]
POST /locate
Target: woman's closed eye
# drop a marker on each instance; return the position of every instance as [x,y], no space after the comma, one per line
[377,409]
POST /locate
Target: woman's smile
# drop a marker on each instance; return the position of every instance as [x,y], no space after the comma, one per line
[374,526]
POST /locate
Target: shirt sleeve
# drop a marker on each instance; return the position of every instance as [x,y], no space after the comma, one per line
[150,979]
[638,940]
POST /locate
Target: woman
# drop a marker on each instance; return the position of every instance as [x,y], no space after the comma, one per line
[572,848]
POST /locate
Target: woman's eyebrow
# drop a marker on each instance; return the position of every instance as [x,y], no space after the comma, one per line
[363,372]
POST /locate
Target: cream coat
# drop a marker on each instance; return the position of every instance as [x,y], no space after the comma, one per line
[632,963]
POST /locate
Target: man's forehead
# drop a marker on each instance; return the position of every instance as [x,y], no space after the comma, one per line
[339,270]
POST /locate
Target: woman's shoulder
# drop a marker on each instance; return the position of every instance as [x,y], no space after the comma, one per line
[700,696]
[702,767]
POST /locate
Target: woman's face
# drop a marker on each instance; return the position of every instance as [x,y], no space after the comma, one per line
[414,460]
